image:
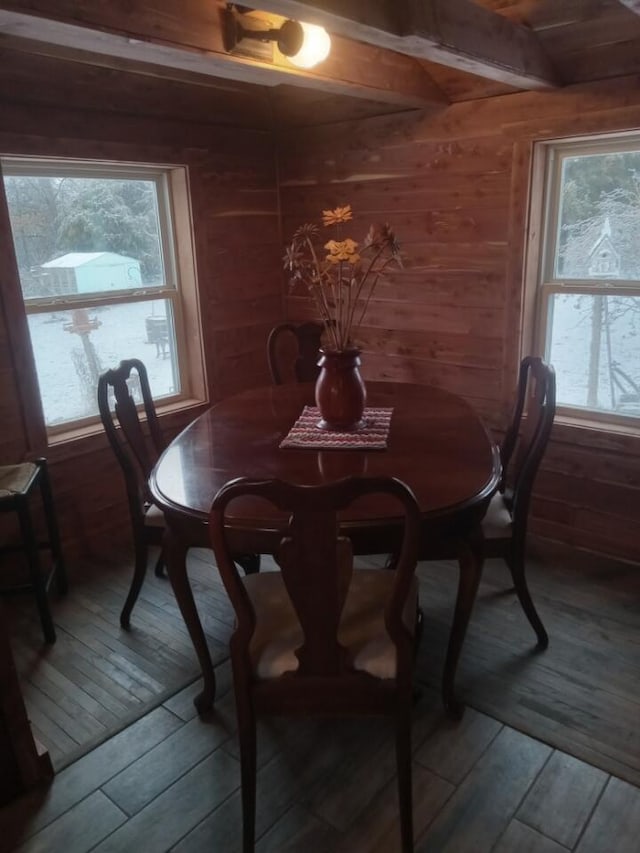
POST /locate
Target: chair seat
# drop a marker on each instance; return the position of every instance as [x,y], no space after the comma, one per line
[362,630]
[16,479]
[497,523]
[154,517]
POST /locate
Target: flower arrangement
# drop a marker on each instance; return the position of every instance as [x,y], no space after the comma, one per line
[342,278]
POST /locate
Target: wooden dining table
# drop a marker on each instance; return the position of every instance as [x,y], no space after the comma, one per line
[437,444]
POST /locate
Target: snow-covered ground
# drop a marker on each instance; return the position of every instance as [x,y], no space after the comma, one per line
[67,386]
[570,354]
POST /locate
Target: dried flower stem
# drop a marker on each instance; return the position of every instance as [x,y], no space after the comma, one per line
[343,282]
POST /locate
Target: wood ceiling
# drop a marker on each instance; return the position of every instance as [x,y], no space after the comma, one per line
[386,56]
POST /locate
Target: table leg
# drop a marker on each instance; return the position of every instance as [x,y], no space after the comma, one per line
[470,568]
[175,552]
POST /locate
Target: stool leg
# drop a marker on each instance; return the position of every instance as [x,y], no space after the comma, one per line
[37,579]
[52,527]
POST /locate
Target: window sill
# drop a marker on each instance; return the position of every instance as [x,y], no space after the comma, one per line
[91,438]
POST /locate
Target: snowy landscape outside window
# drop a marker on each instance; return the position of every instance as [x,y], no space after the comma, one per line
[94,247]
[589,318]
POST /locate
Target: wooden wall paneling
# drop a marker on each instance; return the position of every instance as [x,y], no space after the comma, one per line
[466,225]
[33,75]
[591,30]
[293,107]
[419,173]
[453,349]
[481,322]
[515,342]
[619,466]
[425,285]
[600,62]
[599,496]
[498,118]
[461,86]
[451,183]
[601,533]
[386,368]
[386,149]
[234,206]
[170,23]
[373,196]
[238,224]
[446,224]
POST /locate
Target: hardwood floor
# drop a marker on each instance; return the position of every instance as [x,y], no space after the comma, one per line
[493,782]
[170,782]
[582,694]
[98,677]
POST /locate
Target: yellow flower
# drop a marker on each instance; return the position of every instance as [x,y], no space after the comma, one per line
[340,214]
[342,250]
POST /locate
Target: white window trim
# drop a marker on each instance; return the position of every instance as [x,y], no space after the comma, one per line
[540,272]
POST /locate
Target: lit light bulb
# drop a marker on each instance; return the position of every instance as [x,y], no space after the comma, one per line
[315,47]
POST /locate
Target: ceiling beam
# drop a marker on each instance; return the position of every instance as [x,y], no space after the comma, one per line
[456,33]
[634,5]
[189,37]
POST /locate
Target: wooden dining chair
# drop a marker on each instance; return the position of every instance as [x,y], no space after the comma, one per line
[320,637]
[137,450]
[504,527]
[292,351]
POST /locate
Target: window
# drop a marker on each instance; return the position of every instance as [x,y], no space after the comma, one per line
[100,277]
[589,294]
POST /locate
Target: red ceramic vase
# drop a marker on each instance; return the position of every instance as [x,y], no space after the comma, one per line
[340,391]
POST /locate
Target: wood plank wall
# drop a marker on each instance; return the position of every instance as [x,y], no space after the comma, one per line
[455,186]
[53,108]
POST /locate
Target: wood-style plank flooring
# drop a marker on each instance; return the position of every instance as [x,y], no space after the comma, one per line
[493,782]
[170,782]
[98,677]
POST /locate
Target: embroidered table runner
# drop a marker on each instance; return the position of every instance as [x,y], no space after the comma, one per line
[370,435]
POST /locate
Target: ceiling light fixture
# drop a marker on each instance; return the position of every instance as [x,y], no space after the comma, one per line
[304,45]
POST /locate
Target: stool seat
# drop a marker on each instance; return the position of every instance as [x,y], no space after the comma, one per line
[16,485]
[16,479]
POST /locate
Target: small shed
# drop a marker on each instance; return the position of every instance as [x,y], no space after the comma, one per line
[91,272]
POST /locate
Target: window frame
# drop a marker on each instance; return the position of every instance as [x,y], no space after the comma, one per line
[548,159]
[179,285]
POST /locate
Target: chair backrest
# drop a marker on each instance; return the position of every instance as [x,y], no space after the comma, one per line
[300,361]
[316,563]
[527,436]
[136,453]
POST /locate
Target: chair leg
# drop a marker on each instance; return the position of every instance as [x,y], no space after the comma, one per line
[37,579]
[470,563]
[247,739]
[419,629]
[403,762]
[139,571]
[159,569]
[250,563]
[516,566]
[52,527]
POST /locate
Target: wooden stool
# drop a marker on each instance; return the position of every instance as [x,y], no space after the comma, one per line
[16,485]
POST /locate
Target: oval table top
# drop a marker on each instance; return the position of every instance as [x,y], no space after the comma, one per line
[437,444]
